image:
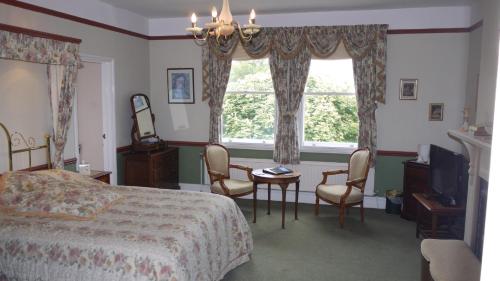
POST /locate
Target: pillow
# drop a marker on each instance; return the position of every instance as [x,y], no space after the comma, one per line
[54,193]
[71,176]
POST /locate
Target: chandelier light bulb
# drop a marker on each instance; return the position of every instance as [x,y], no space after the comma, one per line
[214,12]
[252,17]
[194,19]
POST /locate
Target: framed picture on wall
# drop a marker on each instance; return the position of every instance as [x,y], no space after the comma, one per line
[180,85]
[408,89]
[436,111]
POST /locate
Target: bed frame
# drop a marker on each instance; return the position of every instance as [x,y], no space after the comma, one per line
[17,139]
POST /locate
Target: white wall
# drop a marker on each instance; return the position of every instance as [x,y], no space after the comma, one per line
[489,10]
[439,61]
[131,56]
[184,122]
[25,108]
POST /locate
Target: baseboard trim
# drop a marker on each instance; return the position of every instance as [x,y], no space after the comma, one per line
[372,202]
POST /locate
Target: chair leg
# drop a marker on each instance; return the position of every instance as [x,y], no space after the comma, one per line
[341,216]
[316,207]
[362,212]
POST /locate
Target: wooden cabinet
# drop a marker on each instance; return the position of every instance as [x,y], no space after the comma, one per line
[416,180]
[154,169]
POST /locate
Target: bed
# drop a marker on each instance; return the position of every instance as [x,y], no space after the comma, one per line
[59,225]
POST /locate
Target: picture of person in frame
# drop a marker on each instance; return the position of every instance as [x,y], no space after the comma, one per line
[180,86]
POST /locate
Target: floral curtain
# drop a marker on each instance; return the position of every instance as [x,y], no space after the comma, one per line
[289,74]
[216,75]
[61,92]
[23,47]
[366,44]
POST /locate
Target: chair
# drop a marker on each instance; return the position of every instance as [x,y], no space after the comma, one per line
[350,194]
[218,165]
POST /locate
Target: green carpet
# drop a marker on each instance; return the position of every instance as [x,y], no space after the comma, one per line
[384,247]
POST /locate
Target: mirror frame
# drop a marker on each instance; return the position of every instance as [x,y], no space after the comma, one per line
[135,128]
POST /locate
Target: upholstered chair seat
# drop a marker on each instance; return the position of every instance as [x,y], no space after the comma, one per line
[334,193]
[218,164]
[352,192]
[234,186]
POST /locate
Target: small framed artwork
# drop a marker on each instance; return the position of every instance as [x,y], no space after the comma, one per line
[180,84]
[436,111]
[408,89]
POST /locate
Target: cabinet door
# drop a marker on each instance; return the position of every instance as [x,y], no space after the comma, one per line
[416,180]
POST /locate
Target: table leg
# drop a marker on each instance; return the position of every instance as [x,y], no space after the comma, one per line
[296,198]
[434,225]
[254,202]
[268,198]
[283,204]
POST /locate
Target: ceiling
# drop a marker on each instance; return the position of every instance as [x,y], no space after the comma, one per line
[183,8]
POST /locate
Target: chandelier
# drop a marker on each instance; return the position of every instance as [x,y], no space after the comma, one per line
[223,25]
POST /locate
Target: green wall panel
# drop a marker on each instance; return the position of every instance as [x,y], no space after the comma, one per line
[190,164]
[120,166]
[389,173]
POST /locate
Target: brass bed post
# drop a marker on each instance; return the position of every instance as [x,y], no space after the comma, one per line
[9,144]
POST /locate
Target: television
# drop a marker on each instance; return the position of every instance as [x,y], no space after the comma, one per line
[448,176]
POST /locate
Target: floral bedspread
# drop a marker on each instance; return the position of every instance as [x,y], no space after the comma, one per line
[151,234]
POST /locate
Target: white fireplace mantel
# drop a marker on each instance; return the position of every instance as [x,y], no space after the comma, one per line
[475,146]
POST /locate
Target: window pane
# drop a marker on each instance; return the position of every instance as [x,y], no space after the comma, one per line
[249,108]
[250,76]
[330,118]
[330,76]
[248,117]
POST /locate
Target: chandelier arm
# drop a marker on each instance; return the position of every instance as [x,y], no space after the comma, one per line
[242,35]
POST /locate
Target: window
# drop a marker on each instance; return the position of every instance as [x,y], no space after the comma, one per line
[330,112]
[249,107]
[328,116]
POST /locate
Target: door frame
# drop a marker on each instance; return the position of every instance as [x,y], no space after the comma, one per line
[108,113]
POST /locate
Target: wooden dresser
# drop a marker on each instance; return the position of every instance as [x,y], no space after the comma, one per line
[416,180]
[154,169]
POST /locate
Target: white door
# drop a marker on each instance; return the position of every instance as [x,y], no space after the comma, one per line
[90,115]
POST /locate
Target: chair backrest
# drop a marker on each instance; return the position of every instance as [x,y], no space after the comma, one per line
[359,165]
[217,159]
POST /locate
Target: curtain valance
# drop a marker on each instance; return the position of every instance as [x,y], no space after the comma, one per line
[360,41]
[23,47]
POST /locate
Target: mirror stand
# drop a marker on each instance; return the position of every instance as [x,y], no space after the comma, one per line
[143,133]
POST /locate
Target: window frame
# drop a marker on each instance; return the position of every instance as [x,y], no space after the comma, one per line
[304,146]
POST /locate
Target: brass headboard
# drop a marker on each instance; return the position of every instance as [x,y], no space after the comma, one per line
[30,146]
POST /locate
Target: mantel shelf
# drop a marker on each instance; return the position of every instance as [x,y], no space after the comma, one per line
[481,142]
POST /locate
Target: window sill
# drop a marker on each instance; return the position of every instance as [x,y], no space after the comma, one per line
[309,149]
[331,150]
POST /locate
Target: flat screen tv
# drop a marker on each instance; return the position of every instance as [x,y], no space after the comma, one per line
[448,176]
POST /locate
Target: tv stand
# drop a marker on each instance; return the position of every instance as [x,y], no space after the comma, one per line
[429,203]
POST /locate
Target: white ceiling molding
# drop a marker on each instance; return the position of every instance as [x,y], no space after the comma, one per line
[414,18]
[97,11]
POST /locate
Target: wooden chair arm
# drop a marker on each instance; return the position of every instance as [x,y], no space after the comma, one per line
[244,168]
[356,181]
[331,173]
[350,184]
[220,178]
